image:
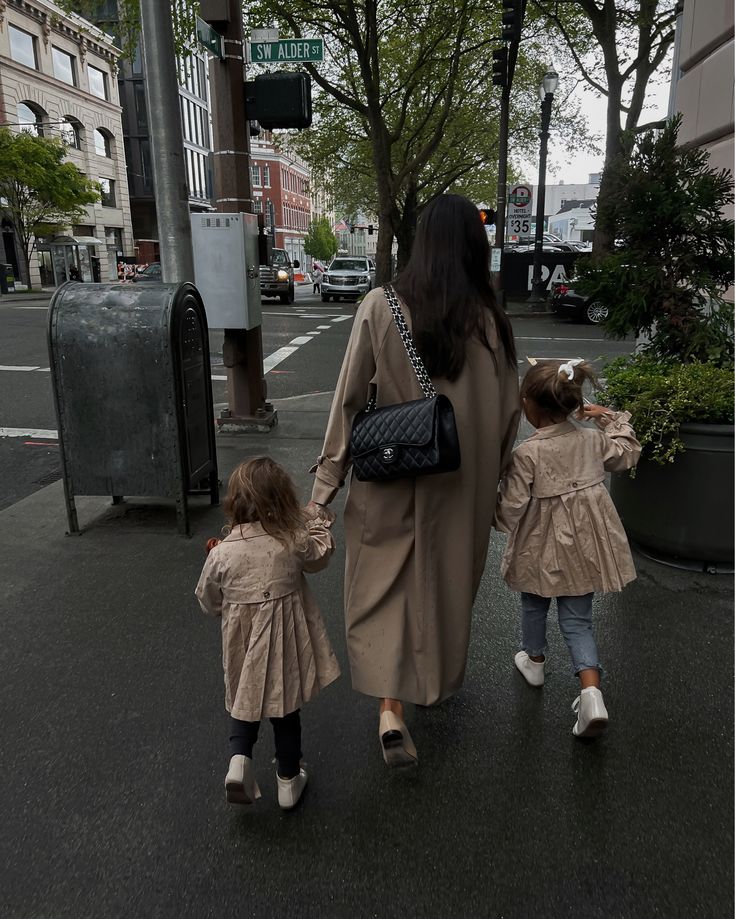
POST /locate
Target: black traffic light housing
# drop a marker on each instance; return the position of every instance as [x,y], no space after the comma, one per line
[279,100]
[512,20]
[500,67]
[370,229]
[487,216]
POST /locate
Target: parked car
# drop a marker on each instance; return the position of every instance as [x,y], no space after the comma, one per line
[349,277]
[276,279]
[151,273]
[566,302]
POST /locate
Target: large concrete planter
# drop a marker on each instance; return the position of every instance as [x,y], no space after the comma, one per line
[684,509]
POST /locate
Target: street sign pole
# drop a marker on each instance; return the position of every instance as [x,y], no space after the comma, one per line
[243,348]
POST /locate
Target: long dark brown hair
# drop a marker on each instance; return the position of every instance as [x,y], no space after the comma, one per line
[446,285]
[261,491]
[553,392]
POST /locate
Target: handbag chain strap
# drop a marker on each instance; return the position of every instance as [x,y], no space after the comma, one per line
[418,365]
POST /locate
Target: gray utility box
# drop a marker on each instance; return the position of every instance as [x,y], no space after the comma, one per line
[227,268]
[133,391]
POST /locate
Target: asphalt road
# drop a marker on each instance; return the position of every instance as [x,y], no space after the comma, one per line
[315,334]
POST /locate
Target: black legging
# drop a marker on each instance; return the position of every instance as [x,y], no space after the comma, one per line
[287,736]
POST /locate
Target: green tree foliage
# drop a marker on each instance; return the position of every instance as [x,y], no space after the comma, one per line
[42,192]
[320,242]
[617,47]
[673,254]
[406,108]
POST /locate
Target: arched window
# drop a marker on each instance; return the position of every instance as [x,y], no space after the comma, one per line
[102,142]
[30,118]
[71,132]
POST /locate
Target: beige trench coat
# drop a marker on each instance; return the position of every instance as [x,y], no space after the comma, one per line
[566,538]
[416,548]
[275,650]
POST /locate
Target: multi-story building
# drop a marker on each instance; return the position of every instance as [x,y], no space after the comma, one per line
[559,193]
[281,183]
[360,237]
[58,78]
[196,133]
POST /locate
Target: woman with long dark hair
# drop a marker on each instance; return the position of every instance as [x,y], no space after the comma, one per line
[416,547]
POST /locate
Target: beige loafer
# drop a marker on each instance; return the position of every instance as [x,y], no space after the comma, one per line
[395,741]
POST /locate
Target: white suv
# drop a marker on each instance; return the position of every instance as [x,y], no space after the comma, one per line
[349,277]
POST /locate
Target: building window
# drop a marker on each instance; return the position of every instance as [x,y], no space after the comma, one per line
[256,176]
[101,143]
[258,205]
[145,164]
[113,237]
[141,115]
[107,190]
[30,120]
[267,176]
[64,66]
[71,133]
[97,82]
[22,47]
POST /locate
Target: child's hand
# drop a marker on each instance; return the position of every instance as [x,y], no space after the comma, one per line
[595,411]
[211,543]
[321,511]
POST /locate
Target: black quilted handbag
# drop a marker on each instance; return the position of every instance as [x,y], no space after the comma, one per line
[408,439]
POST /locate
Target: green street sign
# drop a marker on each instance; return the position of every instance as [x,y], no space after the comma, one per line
[209,38]
[287,51]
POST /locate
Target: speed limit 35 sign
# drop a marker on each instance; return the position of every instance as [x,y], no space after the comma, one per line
[520,206]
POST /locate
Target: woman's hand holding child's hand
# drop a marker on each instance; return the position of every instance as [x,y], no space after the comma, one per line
[321,511]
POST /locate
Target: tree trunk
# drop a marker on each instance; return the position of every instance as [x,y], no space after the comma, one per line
[24,261]
[604,237]
[406,230]
[384,249]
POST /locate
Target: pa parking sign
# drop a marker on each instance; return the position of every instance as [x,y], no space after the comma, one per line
[520,206]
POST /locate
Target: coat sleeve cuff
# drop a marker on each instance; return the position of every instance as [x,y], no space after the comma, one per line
[613,421]
[328,480]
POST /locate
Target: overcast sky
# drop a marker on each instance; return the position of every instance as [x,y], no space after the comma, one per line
[574,167]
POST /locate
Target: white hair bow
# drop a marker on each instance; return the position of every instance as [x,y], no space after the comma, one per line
[568,368]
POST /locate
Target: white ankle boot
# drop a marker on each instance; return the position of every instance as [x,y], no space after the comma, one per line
[240,784]
[290,790]
[589,707]
[533,671]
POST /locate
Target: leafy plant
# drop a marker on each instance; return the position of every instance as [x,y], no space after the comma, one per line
[661,396]
[320,242]
[42,191]
[673,255]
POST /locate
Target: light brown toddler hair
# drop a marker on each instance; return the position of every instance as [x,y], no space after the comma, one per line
[553,392]
[261,491]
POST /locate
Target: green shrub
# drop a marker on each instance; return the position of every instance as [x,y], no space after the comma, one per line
[663,395]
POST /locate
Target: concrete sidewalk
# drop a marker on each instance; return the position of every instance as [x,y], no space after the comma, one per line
[114,745]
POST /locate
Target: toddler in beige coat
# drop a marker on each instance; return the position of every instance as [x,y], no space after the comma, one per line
[565,537]
[275,649]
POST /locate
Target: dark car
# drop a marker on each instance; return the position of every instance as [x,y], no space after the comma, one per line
[565,301]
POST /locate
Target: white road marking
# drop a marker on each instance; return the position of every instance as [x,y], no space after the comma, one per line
[19,369]
[44,308]
[34,433]
[314,333]
[301,340]
[219,378]
[544,338]
[273,360]
[341,318]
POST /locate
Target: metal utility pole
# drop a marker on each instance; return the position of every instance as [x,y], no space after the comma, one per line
[167,144]
[243,348]
[548,87]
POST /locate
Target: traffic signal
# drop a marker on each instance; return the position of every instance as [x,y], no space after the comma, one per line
[370,229]
[487,216]
[500,67]
[279,100]
[512,20]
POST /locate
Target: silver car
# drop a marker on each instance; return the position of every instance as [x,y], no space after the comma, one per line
[350,277]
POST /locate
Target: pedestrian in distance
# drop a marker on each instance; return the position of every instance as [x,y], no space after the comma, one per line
[317,274]
[565,540]
[416,547]
[276,652]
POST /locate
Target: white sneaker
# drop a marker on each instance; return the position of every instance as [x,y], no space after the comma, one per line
[290,790]
[591,713]
[240,784]
[533,671]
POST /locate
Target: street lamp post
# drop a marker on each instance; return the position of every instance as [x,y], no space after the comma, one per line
[546,93]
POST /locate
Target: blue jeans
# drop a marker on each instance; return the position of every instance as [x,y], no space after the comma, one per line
[575,623]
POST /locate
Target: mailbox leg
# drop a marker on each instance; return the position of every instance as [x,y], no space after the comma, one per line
[182,513]
[71,512]
[117,499]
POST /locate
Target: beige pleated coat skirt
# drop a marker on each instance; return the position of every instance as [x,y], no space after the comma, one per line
[416,548]
[566,538]
[275,650]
